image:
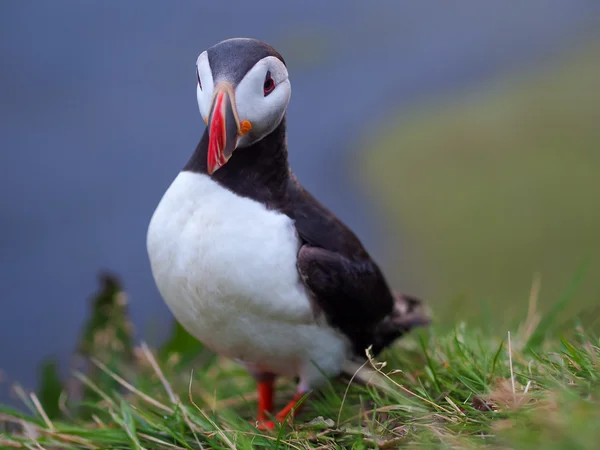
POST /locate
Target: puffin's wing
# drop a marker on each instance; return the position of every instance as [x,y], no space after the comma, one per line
[353,295]
[346,284]
[355,299]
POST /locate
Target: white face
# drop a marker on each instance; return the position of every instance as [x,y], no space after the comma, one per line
[261,97]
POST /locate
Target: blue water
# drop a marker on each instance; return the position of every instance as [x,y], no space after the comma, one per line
[98,114]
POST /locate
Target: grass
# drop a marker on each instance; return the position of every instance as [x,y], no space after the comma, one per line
[492,184]
[534,387]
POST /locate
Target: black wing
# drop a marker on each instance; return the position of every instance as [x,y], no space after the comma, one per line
[347,285]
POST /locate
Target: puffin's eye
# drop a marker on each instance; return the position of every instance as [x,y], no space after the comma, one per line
[269,84]
[198,76]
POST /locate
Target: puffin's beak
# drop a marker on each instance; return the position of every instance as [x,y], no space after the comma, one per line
[223,127]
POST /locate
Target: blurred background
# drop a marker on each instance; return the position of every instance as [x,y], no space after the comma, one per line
[461,142]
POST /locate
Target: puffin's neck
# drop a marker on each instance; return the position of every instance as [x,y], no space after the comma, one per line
[260,171]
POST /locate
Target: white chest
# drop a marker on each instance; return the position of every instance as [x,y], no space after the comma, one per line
[226,267]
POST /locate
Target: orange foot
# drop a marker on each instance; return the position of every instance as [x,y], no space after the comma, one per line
[265,406]
[291,409]
[265,425]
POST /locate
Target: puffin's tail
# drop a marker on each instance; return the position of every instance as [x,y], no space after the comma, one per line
[409,312]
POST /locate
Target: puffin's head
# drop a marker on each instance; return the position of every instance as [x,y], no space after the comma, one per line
[243,91]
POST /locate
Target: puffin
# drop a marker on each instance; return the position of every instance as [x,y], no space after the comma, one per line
[247,260]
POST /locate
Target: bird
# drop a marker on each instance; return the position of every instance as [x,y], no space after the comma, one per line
[247,260]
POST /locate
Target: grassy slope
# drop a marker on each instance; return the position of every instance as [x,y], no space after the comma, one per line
[454,389]
[492,185]
[463,388]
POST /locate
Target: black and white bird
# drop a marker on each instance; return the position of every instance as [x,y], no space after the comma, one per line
[246,259]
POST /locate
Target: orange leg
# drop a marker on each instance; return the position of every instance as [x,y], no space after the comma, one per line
[266,390]
[265,399]
[292,407]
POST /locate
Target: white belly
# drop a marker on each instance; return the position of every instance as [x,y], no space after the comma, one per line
[226,267]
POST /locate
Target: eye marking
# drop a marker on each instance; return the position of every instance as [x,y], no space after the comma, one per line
[269,84]
[198,76]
